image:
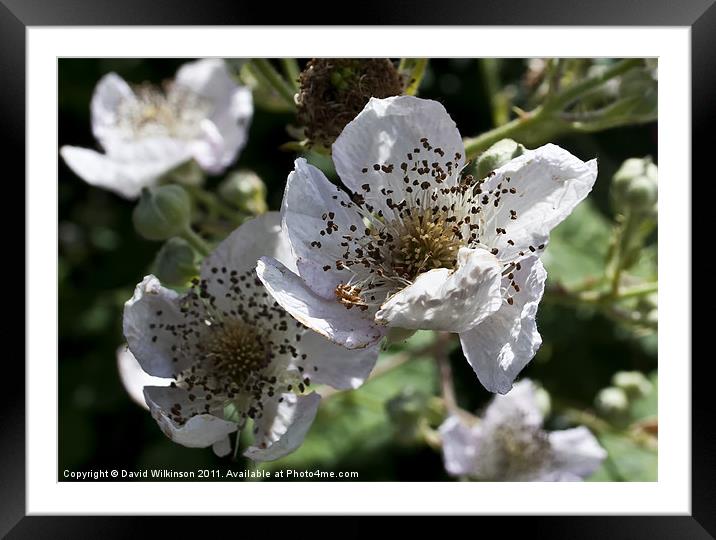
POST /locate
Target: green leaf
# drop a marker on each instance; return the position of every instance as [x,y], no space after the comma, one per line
[647,406]
[577,248]
[419,341]
[353,423]
[629,461]
[645,266]
[603,474]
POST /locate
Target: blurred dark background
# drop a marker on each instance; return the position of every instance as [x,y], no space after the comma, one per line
[101,259]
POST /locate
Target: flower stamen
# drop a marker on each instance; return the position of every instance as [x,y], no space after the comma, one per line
[151,112]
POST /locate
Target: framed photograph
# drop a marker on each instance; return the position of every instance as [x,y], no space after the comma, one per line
[358,270]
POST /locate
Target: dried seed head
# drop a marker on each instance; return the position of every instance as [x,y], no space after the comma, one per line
[334,90]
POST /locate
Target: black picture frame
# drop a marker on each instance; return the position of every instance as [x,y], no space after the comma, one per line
[17,15]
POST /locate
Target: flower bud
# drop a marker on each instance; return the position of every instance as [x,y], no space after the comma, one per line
[162,212]
[497,155]
[634,186]
[648,306]
[176,262]
[246,191]
[634,383]
[612,401]
[188,173]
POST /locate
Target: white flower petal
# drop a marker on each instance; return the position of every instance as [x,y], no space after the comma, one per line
[209,78]
[448,300]
[549,182]
[128,167]
[576,452]
[503,344]
[323,283]
[98,170]
[209,148]
[255,238]
[152,347]
[509,443]
[283,426]
[239,253]
[460,445]
[134,378]
[308,208]
[337,366]
[554,476]
[233,124]
[110,92]
[231,115]
[199,431]
[520,406]
[327,317]
[384,133]
[222,447]
[510,423]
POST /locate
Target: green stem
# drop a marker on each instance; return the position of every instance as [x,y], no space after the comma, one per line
[275,80]
[644,289]
[414,70]
[573,92]
[601,298]
[431,437]
[215,205]
[442,357]
[291,71]
[510,130]
[623,244]
[544,121]
[196,241]
[499,104]
[555,67]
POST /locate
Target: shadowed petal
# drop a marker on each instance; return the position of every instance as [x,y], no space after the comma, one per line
[327,317]
[283,426]
[576,452]
[460,445]
[337,366]
[134,378]
[152,346]
[199,431]
[309,208]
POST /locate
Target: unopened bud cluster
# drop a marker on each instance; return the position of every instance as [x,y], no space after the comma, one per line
[627,386]
[635,188]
